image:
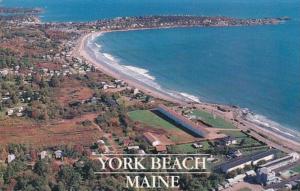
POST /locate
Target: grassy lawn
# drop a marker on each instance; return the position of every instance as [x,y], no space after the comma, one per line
[206,145]
[2,114]
[188,148]
[151,119]
[250,151]
[248,141]
[296,169]
[245,189]
[184,148]
[237,134]
[217,122]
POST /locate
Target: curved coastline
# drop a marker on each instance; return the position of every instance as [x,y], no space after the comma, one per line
[109,66]
[86,48]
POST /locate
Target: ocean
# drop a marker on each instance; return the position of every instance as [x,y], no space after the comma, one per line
[255,67]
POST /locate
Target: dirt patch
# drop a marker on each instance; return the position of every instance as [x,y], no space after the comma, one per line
[49,66]
[166,136]
[14,130]
[72,90]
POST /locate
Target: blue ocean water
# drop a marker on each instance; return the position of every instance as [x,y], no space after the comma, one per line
[254,67]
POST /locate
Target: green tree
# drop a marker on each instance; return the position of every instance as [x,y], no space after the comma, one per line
[13,169]
[42,168]
[70,177]
[54,81]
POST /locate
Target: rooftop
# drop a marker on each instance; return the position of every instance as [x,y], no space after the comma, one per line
[186,124]
[236,162]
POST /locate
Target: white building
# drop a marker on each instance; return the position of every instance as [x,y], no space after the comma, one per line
[43,154]
[133,147]
[266,176]
[152,139]
[197,145]
[275,164]
[240,163]
[10,158]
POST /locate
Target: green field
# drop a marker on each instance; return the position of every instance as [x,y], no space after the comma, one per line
[216,122]
[2,114]
[248,141]
[184,148]
[245,189]
[250,151]
[150,119]
[296,169]
[237,134]
[188,148]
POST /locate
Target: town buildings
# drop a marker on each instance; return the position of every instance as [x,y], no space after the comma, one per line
[253,159]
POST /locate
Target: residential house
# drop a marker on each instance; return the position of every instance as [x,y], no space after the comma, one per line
[43,154]
[58,154]
[10,158]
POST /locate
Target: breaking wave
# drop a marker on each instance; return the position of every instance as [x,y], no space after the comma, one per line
[144,76]
[98,45]
[191,97]
[139,74]
[141,71]
[265,122]
[110,57]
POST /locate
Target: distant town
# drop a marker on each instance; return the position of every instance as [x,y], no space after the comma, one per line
[124,23]
[59,114]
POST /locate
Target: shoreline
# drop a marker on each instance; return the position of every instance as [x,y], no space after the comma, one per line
[102,63]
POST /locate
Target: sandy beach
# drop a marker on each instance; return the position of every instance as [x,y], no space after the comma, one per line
[276,140]
[101,63]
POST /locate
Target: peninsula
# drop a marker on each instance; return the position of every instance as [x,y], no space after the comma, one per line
[127,23]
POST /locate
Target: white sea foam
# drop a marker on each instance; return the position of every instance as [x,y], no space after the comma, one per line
[190,97]
[98,45]
[139,74]
[141,71]
[142,75]
[274,126]
[110,57]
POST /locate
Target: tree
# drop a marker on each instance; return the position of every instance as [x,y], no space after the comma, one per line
[70,177]
[38,110]
[12,170]
[231,174]
[54,81]
[30,181]
[41,168]
[19,80]
[60,187]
